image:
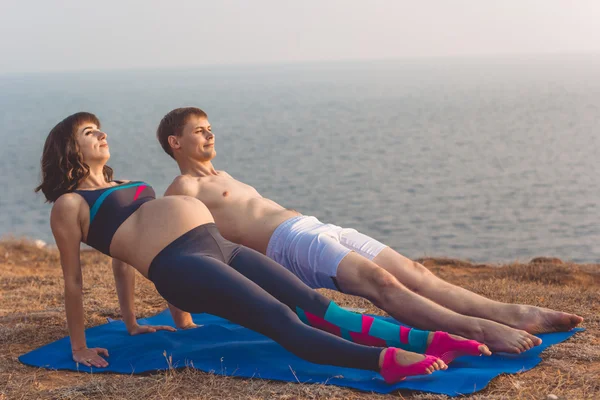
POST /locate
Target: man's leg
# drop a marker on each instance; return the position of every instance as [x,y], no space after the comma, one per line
[422,281]
[359,276]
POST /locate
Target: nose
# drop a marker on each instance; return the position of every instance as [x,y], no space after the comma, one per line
[102,135]
[209,135]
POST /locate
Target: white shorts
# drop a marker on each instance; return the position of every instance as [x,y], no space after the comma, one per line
[313,250]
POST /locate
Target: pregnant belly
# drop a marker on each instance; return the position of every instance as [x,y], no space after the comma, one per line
[154,225]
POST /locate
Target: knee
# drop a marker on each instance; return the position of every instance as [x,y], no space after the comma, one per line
[384,286]
[419,277]
[281,316]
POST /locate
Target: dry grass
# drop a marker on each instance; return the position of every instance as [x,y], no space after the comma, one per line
[31,315]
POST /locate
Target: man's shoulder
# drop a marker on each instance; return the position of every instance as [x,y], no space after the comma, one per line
[224,173]
[184,185]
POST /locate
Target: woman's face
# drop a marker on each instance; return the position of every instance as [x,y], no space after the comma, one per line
[92,143]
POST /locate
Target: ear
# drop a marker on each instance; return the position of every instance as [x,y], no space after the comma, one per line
[174,142]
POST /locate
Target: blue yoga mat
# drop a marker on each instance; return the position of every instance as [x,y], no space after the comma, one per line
[224,348]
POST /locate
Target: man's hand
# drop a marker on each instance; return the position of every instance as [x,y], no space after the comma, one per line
[91,357]
[139,329]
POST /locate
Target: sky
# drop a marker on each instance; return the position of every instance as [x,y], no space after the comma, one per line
[66,35]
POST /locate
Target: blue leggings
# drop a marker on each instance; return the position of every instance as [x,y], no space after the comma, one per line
[203,272]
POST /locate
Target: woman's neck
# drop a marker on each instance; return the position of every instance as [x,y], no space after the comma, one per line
[95,179]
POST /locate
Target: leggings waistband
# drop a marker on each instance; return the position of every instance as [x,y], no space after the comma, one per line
[202,237]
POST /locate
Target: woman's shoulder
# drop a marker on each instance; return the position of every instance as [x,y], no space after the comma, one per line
[66,204]
[67,201]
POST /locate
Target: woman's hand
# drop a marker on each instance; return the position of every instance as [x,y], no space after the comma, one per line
[91,357]
[139,329]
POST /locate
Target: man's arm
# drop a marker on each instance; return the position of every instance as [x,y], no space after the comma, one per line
[181,186]
[183,320]
[125,283]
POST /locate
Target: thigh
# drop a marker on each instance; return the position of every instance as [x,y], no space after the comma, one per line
[316,257]
[412,274]
[364,245]
[198,283]
[278,281]
[359,276]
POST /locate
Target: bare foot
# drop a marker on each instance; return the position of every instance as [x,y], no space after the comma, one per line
[502,338]
[541,320]
[448,347]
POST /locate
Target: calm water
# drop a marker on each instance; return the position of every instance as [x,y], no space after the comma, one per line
[489,160]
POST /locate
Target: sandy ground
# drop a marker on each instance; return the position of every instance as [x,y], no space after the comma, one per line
[32,314]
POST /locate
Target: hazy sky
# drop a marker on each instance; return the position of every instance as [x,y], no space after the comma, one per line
[51,35]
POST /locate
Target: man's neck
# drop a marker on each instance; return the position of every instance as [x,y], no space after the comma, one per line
[197,168]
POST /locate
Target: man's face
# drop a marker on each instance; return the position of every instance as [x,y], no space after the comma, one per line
[197,140]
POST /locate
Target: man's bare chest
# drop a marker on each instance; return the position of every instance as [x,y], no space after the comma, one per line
[223,191]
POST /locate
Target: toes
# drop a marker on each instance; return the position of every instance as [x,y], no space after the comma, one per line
[483,349]
[522,344]
[515,349]
[529,343]
[536,340]
[525,345]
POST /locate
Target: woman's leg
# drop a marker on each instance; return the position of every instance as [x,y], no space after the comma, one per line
[320,312]
[197,283]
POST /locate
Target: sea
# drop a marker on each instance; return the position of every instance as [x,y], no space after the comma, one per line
[492,159]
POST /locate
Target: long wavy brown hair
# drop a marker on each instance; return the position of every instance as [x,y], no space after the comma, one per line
[63,168]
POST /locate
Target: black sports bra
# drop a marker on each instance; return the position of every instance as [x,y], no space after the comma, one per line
[110,207]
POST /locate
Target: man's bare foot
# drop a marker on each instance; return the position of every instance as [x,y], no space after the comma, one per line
[540,320]
[502,338]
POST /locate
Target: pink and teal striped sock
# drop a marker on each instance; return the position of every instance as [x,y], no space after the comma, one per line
[364,329]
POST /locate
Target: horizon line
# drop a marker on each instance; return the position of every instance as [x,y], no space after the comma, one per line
[302,62]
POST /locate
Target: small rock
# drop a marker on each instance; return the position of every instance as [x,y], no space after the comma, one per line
[552,397]
[40,244]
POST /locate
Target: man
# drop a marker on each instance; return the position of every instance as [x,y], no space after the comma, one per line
[327,256]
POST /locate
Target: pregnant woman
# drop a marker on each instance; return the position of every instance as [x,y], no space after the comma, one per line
[173,242]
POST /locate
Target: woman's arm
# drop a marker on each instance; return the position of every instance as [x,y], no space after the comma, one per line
[125,283]
[64,221]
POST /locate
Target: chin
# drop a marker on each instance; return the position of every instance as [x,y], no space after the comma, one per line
[209,155]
